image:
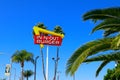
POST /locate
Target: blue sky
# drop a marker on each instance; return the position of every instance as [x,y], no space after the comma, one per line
[17,18]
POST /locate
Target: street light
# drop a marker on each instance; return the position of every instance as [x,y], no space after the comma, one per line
[35,62]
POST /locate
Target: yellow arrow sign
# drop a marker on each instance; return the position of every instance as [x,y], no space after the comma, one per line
[37,31]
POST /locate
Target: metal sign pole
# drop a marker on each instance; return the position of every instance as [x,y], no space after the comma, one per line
[47,62]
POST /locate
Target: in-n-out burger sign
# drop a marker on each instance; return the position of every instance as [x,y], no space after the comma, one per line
[55,38]
[48,40]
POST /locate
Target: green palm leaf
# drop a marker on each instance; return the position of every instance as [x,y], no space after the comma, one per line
[114,56]
[41,25]
[103,64]
[111,30]
[28,73]
[101,14]
[117,71]
[108,24]
[87,50]
[58,30]
[116,42]
[20,56]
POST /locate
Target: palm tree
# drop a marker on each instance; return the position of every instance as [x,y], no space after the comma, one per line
[27,73]
[58,30]
[41,25]
[108,19]
[21,57]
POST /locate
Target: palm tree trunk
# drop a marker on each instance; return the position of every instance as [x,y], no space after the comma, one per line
[22,74]
[22,66]
[27,78]
[43,67]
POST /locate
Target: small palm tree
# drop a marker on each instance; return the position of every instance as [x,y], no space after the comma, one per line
[58,30]
[27,74]
[21,57]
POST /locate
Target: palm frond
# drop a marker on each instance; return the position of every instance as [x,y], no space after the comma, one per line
[16,57]
[59,30]
[103,64]
[111,30]
[26,55]
[41,25]
[20,56]
[87,50]
[116,72]
[101,14]
[108,24]
[116,42]
[28,73]
[113,56]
